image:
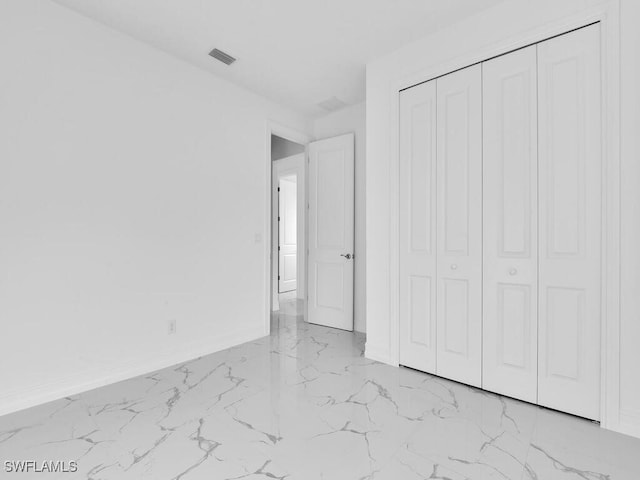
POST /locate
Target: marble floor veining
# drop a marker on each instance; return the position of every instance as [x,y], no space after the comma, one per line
[305,404]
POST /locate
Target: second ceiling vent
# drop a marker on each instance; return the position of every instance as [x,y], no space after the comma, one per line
[332,104]
[222,56]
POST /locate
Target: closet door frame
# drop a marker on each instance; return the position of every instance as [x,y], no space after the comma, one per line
[608,15]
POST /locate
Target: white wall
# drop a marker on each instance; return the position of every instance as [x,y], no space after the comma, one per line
[353,119]
[497,25]
[630,196]
[132,192]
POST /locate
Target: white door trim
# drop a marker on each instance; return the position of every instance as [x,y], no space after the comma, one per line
[274,128]
[608,14]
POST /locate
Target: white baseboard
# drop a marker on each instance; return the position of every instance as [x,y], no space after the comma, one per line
[377,353]
[37,395]
[629,422]
[626,428]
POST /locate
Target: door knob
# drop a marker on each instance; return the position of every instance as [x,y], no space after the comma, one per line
[454,266]
[346,255]
[512,271]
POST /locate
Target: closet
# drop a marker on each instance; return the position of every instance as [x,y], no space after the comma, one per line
[500,224]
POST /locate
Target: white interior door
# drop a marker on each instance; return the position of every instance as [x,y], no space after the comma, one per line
[418,227]
[287,234]
[510,266]
[570,222]
[331,232]
[459,225]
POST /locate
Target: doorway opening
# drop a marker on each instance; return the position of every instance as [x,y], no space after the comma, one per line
[312,213]
[288,217]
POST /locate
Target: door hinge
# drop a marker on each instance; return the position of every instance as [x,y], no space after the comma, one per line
[278,188]
[278,247]
[278,218]
[278,277]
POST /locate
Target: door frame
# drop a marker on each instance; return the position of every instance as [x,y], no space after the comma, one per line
[608,16]
[280,130]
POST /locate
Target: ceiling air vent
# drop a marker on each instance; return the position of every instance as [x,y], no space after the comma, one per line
[332,104]
[223,57]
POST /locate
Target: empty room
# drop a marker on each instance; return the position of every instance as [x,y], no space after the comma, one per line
[335,240]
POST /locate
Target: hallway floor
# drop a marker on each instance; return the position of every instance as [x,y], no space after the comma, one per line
[305,404]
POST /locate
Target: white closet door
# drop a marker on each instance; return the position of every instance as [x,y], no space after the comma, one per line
[510,328]
[459,226]
[418,227]
[570,222]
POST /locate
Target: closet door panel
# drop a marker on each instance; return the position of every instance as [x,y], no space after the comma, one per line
[418,227]
[570,222]
[459,226]
[510,256]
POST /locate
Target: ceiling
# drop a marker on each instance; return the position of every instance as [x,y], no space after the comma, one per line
[298,53]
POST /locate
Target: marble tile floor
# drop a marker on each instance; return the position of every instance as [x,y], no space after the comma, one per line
[305,404]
